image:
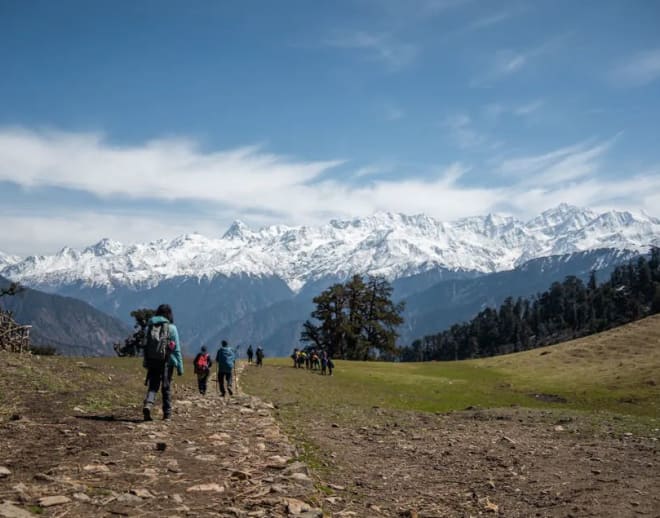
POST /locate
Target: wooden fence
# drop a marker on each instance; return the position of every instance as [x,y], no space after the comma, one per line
[14,337]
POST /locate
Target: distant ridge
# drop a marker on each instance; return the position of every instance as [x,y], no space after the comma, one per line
[72,326]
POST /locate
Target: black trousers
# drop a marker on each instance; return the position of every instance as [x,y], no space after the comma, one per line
[201,382]
[222,378]
[159,375]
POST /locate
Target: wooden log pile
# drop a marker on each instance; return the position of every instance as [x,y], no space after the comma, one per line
[14,337]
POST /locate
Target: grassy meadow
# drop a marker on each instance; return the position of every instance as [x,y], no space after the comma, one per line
[616,372]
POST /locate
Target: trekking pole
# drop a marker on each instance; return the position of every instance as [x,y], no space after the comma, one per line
[235,371]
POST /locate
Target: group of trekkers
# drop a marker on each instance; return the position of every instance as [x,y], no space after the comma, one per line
[162,355]
[311,359]
[225,358]
[259,354]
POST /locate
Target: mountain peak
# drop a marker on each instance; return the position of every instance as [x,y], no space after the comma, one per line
[237,230]
[7,260]
[105,246]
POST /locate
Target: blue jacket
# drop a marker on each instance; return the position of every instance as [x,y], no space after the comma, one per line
[225,359]
[175,359]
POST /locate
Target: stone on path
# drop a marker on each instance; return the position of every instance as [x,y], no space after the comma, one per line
[49,501]
[220,437]
[96,468]
[9,510]
[217,488]
[295,506]
[142,493]
[301,478]
[206,457]
[4,472]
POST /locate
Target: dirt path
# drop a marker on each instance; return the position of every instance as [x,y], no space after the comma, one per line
[216,457]
[229,457]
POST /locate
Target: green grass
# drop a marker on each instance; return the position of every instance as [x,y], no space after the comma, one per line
[614,372]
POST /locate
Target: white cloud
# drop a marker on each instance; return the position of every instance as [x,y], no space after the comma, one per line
[488,21]
[507,62]
[638,70]
[263,188]
[48,232]
[493,111]
[563,165]
[466,136]
[171,169]
[384,48]
[632,193]
[528,108]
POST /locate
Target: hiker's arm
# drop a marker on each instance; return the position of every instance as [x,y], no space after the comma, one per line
[174,335]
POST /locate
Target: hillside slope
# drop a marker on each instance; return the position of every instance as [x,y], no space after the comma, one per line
[72,326]
[620,365]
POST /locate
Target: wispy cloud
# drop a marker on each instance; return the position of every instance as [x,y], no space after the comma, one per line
[528,108]
[560,166]
[488,21]
[507,62]
[496,110]
[464,133]
[384,48]
[638,70]
[265,188]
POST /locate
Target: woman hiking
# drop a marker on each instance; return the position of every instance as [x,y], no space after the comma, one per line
[162,354]
[202,365]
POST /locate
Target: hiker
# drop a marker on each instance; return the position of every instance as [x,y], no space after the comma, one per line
[324,362]
[331,365]
[250,353]
[225,360]
[294,357]
[260,357]
[202,365]
[315,361]
[162,354]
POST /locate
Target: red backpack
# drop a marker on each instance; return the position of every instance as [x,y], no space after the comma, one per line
[202,363]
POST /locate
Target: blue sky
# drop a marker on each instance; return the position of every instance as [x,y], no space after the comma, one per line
[140,120]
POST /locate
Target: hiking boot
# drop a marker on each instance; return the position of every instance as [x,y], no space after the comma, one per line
[230,391]
[167,417]
[146,412]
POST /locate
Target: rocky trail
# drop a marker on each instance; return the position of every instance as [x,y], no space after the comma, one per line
[216,457]
[243,457]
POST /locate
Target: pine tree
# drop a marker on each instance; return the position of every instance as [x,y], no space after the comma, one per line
[357,320]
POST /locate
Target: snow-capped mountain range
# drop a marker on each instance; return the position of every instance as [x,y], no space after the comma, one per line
[392,245]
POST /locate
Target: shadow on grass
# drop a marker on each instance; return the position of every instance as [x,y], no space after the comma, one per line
[110,418]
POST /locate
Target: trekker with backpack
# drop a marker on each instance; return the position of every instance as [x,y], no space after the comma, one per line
[162,354]
[225,360]
[260,357]
[250,353]
[203,365]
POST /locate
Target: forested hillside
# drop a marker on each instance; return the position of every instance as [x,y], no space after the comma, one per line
[567,310]
[71,326]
